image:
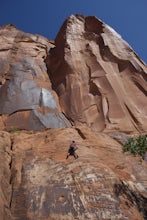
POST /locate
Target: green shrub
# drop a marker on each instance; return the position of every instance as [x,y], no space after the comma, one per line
[14,129]
[136,145]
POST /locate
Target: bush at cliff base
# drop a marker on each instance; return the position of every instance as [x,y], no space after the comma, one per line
[136,145]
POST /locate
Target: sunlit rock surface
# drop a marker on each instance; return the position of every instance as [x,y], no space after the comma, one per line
[88,78]
[99,79]
[26,96]
[103,183]
[90,75]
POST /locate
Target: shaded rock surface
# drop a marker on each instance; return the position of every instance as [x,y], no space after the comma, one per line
[99,79]
[102,184]
[26,97]
[5,175]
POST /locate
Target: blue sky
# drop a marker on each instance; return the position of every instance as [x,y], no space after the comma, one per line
[45,17]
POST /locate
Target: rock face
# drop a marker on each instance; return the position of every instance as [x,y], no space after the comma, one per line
[26,96]
[5,176]
[94,73]
[89,86]
[99,79]
[102,184]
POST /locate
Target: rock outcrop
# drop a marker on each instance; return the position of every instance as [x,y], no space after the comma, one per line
[103,183]
[87,85]
[94,73]
[27,100]
[99,79]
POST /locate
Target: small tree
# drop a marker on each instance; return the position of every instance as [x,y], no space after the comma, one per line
[136,145]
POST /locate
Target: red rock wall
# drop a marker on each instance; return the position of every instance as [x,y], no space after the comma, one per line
[103,183]
[26,95]
[100,83]
[99,79]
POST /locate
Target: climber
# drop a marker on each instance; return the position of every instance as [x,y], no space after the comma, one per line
[72,149]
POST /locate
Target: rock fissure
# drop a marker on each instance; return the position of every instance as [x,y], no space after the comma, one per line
[136,123]
[20,110]
[11,174]
[4,49]
[141,88]
[81,133]
[11,154]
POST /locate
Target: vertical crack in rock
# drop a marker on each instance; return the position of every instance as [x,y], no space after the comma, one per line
[11,149]
[10,167]
[136,122]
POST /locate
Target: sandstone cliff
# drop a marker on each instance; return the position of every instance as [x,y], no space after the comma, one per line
[90,76]
[99,79]
[87,85]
